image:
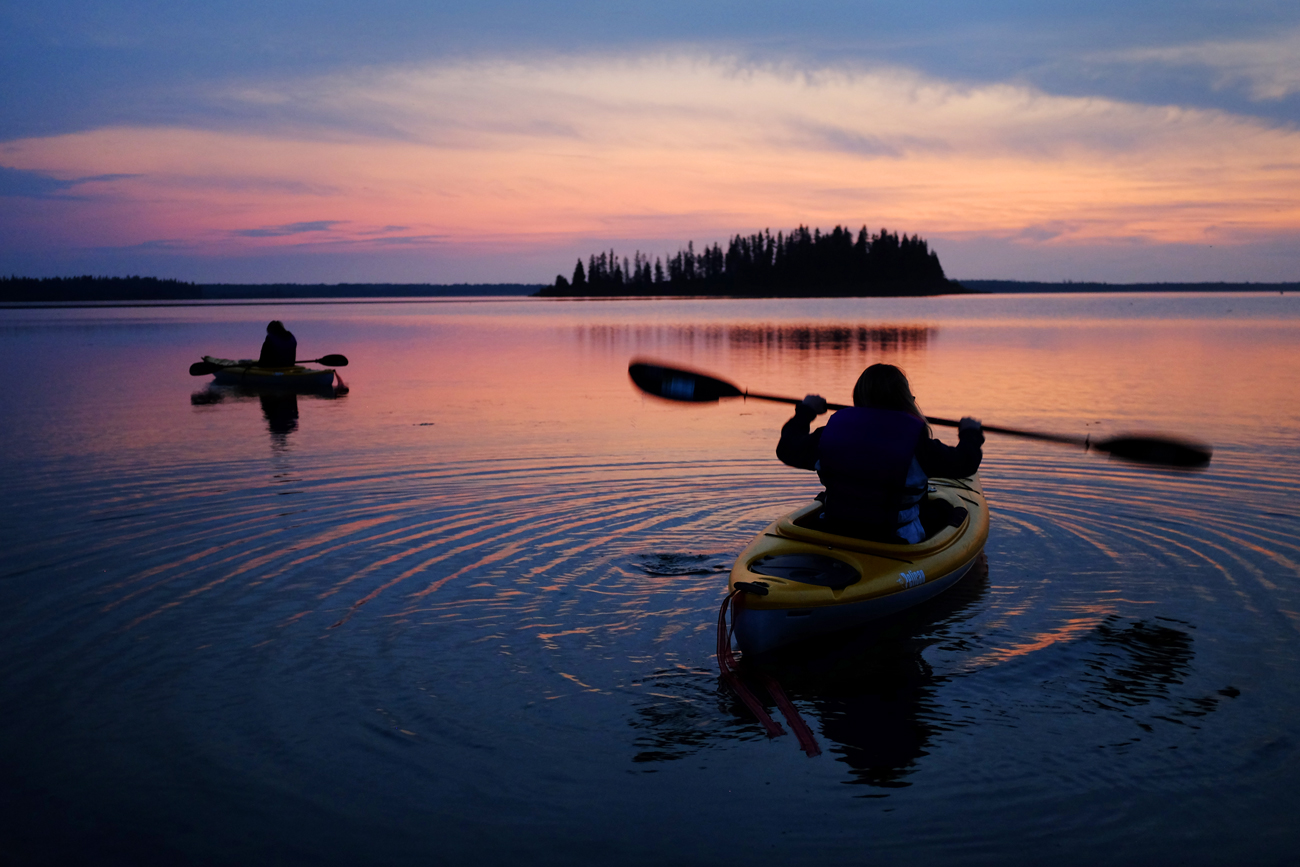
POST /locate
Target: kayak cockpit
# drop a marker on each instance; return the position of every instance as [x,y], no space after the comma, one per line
[943,514]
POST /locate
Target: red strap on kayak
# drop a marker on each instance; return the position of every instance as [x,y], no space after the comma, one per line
[727,665]
[791,713]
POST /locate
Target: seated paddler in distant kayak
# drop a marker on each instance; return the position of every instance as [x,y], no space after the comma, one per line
[280,349]
[876,457]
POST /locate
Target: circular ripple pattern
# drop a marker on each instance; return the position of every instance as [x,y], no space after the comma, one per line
[514,587]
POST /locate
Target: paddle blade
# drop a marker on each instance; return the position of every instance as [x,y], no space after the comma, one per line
[1165,451]
[334,360]
[676,384]
[203,368]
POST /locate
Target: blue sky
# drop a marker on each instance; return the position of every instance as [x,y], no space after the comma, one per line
[511,153]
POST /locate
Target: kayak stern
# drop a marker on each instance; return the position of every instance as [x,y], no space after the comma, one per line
[798,582]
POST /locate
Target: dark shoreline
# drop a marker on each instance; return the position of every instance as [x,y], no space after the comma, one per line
[1000,287]
[150,289]
[27,292]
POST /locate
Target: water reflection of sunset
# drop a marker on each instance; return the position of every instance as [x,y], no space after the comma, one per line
[497,540]
[1070,629]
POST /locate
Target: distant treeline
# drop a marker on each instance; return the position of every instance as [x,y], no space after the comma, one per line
[1001,286]
[88,288]
[801,264]
[363,290]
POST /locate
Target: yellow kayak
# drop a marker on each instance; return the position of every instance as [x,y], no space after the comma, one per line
[797,581]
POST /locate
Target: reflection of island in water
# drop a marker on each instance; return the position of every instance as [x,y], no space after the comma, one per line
[279,406]
[875,701]
[776,338]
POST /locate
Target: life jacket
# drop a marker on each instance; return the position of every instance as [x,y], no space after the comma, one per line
[874,484]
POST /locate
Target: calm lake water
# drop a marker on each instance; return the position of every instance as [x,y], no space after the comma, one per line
[467,610]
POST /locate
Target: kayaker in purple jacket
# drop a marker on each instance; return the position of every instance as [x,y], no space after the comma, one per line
[875,457]
[280,349]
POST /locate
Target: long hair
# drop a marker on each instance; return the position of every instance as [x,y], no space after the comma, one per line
[884,386]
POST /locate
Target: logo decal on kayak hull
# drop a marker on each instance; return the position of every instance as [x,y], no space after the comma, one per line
[912,579]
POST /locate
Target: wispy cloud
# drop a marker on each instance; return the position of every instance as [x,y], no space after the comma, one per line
[18,183]
[1269,68]
[288,229]
[34,185]
[258,185]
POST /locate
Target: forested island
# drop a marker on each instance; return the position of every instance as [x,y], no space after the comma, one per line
[800,264]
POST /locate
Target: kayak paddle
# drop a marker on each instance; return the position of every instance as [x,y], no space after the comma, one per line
[203,368]
[327,360]
[675,383]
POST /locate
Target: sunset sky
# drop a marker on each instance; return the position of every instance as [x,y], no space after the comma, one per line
[404,141]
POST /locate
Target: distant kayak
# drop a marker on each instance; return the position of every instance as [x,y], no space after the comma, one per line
[797,581]
[246,372]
